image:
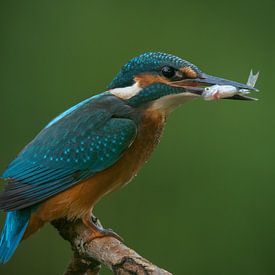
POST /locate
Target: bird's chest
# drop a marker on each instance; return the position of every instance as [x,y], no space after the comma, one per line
[148,137]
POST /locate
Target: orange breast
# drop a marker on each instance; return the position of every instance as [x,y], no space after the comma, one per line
[79,200]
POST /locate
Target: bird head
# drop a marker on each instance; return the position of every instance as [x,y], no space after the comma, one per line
[164,81]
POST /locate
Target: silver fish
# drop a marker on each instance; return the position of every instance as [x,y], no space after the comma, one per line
[226,91]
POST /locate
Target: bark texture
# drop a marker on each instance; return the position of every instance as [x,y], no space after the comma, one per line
[109,251]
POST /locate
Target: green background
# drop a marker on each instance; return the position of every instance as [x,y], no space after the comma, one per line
[204,204]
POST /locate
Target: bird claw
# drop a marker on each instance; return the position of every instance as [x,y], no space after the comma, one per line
[97,230]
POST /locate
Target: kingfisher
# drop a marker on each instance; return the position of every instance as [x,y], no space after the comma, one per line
[97,146]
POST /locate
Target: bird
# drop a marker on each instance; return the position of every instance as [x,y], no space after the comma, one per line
[97,146]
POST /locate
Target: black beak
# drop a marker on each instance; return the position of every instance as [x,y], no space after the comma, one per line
[197,85]
[213,80]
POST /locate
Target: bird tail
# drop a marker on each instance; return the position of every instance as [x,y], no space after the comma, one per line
[12,233]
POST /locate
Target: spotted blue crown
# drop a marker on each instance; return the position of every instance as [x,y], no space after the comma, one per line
[149,62]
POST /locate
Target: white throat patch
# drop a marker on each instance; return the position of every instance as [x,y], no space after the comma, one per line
[126,92]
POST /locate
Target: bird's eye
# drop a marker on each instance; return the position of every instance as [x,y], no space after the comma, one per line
[168,72]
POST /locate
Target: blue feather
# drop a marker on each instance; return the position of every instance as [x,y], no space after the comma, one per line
[70,110]
[13,231]
[86,141]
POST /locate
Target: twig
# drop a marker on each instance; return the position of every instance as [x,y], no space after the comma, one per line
[107,250]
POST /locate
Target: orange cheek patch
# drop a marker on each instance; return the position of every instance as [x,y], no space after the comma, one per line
[148,79]
[189,72]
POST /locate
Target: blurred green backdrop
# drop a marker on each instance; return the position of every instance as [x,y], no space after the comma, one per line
[204,204]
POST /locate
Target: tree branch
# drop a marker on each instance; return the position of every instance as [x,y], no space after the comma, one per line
[107,250]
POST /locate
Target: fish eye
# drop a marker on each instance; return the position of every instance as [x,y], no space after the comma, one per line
[168,71]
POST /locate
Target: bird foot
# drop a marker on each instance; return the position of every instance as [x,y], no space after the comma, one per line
[97,230]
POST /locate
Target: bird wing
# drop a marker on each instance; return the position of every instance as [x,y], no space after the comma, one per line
[80,143]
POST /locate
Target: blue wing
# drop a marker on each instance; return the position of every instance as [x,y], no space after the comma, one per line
[81,142]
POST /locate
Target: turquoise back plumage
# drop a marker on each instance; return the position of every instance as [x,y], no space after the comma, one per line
[87,140]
